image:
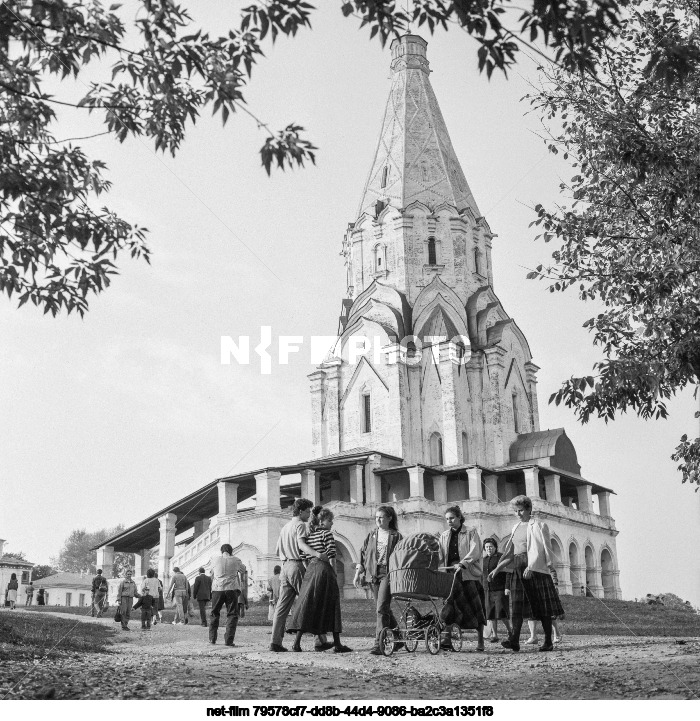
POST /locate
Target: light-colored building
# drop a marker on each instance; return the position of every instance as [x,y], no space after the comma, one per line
[66,589]
[10,564]
[442,408]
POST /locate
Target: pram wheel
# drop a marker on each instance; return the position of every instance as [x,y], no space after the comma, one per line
[432,640]
[411,643]
[386,641]
[454,633]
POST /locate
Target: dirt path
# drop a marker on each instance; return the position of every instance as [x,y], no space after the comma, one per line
[177,662]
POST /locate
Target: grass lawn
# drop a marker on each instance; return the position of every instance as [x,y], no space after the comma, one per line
[39,634]
[584,616]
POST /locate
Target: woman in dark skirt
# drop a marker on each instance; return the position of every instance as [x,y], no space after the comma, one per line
[460,550]
[532,592]
[317,609]
[496,607]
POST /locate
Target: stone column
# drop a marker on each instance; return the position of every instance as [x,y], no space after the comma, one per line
[105,560]
[201,526]
[585,498]
[440,489]
[553,487]
[491,484]
[597,578]
[336,489]
[310,486]
[267,491]
[474,475]
[142,562]
[604,503]
[228,498]
[356,494]
[167,547]
[373,482]
[495,361]
[532,482]
[416,484]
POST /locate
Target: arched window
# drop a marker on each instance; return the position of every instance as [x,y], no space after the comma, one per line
[465,448]
[385,176]
[477,261]
[436,450]
[432,252]
[366,413]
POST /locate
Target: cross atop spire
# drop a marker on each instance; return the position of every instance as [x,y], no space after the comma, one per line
[414,159]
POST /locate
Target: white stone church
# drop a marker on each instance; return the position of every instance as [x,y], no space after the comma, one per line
[443,409]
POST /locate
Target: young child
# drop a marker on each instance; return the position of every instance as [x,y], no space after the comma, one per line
[145,603]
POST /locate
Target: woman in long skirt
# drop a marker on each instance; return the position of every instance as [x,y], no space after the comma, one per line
[460,549]
[12,588]
[532,592]
[317,609]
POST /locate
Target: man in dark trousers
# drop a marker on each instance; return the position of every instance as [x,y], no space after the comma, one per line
[202,593]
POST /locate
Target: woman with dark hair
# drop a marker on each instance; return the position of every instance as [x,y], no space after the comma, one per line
[496,606]
[317,609]
[374,568]
[160,606]
[150,586]
[12,588]
[460,550]
[532,592]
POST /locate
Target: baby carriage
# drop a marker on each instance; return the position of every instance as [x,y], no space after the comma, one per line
[417,586]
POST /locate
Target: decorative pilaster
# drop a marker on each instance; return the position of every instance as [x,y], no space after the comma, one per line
[332,401]
[451,440]
[531,379]
[317,431]
[373,482]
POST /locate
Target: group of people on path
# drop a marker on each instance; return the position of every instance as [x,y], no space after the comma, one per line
[513,586]
[12,591]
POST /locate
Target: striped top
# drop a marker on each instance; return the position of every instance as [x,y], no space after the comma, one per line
[321,540]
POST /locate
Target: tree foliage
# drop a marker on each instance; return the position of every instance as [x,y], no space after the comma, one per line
[630,238]
[42,571]
[76,557]
[58,244]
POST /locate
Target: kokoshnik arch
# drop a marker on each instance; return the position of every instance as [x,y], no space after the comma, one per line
[418,436]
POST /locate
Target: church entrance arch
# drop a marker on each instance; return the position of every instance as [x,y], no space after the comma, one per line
[344,567]
[608,570]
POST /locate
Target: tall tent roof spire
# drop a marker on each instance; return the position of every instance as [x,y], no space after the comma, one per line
[414,159]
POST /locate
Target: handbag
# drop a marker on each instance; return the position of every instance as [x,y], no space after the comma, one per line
[118,615]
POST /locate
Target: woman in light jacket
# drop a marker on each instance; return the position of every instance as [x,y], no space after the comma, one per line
[374,568]
[532,592]
[460,550]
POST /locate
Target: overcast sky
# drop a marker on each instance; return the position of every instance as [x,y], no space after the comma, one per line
[108,419]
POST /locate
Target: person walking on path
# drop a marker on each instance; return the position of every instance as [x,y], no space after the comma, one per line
[273,588]
[41,597]
[229,582]
[30,594]
[292,549]
[100,587]
[317,609]
[12,588]
[125,595]
[158,607]
[153,587]
[460,549]
[178,593]
[202,594]
[374,567]
[532,592]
